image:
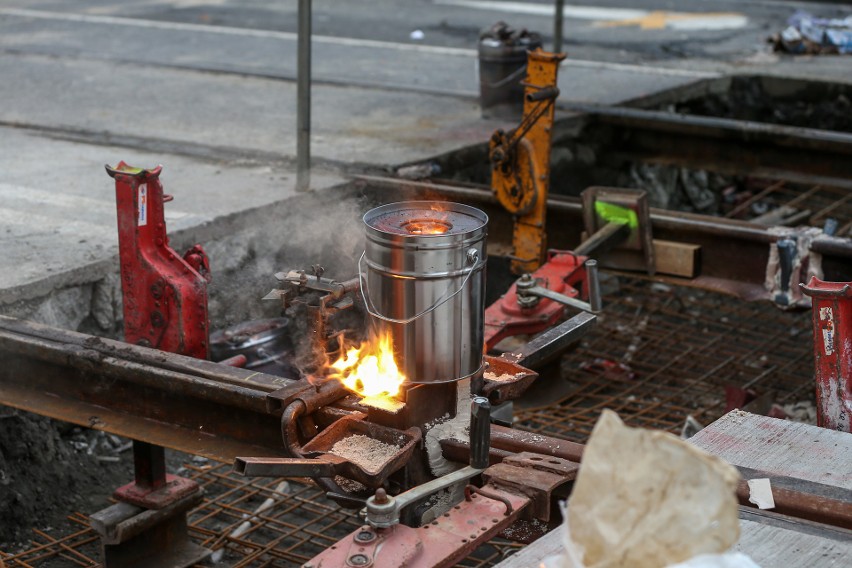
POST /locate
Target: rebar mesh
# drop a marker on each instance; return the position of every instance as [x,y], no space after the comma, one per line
[300,524]
[772,202]
[659,354]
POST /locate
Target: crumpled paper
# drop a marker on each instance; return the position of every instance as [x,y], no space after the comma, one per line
[646,499]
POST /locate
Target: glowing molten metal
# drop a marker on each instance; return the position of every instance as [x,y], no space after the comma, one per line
[369,370]
[427,227]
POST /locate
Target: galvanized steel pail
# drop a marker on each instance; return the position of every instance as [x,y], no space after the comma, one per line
[423,279]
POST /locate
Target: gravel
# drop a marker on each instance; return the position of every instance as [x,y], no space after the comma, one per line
[365,452]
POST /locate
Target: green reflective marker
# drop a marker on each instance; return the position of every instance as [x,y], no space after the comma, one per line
[616,214]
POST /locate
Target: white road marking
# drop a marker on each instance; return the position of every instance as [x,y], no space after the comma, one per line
[576,12]
[671,20]
[227,30]
[347,42]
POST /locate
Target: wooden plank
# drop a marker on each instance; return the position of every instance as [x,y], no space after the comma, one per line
[768,545]
[532,555]
[772,546]
[780,447]
[677,259]
[672,258]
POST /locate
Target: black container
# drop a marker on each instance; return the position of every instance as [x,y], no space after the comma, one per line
[502,67]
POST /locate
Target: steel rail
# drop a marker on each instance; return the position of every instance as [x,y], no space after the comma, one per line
[178,402]
[733,257]
[726,145]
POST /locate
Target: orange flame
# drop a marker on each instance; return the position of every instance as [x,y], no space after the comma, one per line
[369,370]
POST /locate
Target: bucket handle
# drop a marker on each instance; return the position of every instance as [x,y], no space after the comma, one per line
[514,75]
[472,258]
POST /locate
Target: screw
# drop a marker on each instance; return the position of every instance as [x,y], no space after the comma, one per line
[365,536]
[358,560]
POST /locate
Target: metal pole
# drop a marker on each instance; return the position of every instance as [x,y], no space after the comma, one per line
[303,105]
[557,26]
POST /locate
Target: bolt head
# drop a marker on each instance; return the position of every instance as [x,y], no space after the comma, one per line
[381,496]
[358,560]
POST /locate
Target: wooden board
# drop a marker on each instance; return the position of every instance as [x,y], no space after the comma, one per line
[769,545]
[677,259]
[672,259]
[780,447]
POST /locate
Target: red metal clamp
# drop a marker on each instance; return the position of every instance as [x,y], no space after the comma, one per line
[564,272]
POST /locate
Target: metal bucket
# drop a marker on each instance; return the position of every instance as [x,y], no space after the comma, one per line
[423,279]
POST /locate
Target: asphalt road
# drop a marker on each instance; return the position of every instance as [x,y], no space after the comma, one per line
[612,30]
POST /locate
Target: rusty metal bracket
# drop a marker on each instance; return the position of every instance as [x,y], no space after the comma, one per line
[537,485]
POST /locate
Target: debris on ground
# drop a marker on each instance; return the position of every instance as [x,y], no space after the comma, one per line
[808,34]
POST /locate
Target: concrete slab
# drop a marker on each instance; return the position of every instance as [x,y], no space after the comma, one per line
[350,124]
[57,206]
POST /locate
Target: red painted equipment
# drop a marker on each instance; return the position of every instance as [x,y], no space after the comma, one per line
[832,309]
[165,307]
[563,273]
[165,296]
[443,542]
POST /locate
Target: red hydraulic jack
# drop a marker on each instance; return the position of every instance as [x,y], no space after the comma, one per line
[165,307]
[832,309]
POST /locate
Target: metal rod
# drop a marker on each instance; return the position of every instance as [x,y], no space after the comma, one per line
[604,239]
[480,432]
[303,106]
[557,26]
[594,285]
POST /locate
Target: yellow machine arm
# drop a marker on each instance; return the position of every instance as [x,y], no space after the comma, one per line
[520,162]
